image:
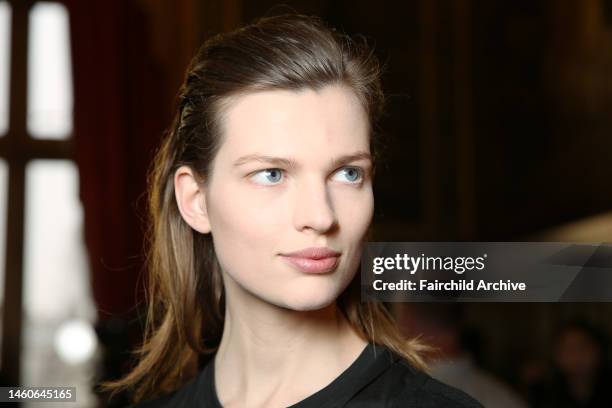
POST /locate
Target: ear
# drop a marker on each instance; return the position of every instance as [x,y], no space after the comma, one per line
[191,199]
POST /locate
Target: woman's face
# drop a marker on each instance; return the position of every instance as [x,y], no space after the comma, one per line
[293,172]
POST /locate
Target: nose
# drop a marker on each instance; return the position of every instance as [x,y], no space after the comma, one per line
[314,208]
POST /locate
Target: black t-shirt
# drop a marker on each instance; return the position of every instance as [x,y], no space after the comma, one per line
[377,378]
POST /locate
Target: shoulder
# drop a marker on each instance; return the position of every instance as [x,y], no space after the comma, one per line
[434,393]
[184,397]
[156,403]
[403,385]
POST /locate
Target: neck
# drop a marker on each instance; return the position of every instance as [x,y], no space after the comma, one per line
[266,350]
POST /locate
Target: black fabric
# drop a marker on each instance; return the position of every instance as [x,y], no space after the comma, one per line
[377,378]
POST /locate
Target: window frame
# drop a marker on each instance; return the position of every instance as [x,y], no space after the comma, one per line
[17,148]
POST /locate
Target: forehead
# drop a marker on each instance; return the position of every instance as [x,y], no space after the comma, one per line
[289,122]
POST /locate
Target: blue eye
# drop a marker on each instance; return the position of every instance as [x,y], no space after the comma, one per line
[268,176]
[352,175]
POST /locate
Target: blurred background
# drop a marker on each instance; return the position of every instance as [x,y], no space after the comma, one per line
[499,128]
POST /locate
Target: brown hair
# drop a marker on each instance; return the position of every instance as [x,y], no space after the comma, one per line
[185,291]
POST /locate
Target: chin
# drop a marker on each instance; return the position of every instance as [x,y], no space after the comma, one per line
[309,298]
[307,306]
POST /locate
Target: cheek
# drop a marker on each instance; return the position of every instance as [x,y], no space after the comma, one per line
[232,212]
[354,216]
[242,229]
[355,213]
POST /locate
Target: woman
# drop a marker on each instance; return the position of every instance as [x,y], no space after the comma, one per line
[261,199]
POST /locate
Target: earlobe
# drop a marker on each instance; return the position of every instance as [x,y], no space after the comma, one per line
[191,200]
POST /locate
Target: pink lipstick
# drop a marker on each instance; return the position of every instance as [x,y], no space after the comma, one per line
[313,260]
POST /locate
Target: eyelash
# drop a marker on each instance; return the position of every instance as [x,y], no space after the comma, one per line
[358,169]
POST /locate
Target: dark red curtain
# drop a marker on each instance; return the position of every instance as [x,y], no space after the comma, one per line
[120,104]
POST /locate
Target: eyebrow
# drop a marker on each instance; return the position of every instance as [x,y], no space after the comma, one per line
[289,163]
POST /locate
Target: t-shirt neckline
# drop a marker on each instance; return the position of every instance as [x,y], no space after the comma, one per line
[370,363]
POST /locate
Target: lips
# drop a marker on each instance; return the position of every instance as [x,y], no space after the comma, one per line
[313,260]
